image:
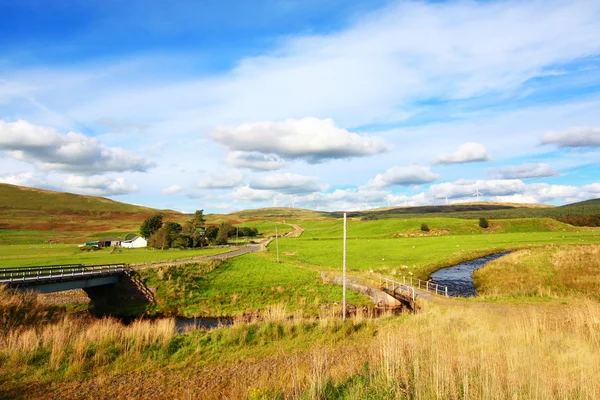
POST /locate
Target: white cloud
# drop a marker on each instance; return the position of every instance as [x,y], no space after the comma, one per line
[255,160]
[98,185]
[222,180]
[311,139]
[523,171]
[466,152]
[403,176]
[48,150]
[512,190]
[29,179]
[288,183]
[247,194]
[172,189]
[574,137]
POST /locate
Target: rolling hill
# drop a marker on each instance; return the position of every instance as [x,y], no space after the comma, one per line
[57,216]
[34,215]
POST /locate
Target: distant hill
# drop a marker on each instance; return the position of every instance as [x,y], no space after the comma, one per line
[19,197]
[74,216]
[593,204]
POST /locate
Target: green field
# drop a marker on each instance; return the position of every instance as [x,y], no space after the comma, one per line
[53,254]
[438,226]
[422,255]
[246,284]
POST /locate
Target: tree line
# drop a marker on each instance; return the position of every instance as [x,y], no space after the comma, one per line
[194,233]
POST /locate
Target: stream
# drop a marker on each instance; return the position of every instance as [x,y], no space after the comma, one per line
[459,278]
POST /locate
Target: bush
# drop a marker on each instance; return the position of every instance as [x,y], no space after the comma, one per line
[483,223]
[89,248]
[425,227]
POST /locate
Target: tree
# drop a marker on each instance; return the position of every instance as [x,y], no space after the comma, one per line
[225,230]
[211,233]
[160,239]
[151,225]
[425,227]
[194,228]
[483,222]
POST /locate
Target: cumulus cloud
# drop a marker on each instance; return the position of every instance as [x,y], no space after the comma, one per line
[523,171]
[311,139]
[98,185]
[247,194]
[172,189]
[574,137]
[403,176]
[288,183]
[48,150]
[255,160]
[512,191]
[466,152]
[23,179]
[222,180]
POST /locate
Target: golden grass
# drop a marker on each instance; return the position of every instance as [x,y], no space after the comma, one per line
[552,271]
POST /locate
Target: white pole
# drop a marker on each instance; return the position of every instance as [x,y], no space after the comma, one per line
[277,243]
[344,274]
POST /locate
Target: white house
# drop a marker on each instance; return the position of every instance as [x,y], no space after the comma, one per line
[135,243]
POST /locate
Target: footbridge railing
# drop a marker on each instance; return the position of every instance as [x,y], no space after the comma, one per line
[58,272]
[396,288]
[410,283]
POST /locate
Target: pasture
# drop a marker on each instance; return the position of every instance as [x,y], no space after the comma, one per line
[421,255]
[53,254]
[242,285]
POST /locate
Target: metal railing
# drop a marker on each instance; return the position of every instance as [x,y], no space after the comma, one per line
[426,286]
[393,287]
[57,272]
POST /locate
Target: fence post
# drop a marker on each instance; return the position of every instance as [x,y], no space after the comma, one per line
[411,281]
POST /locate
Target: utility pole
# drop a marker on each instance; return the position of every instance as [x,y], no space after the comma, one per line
[344,274]
[277,243]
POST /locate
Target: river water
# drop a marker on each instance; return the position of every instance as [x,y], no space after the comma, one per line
[459,278]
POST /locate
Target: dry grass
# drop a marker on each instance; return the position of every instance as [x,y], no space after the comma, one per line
[544,272]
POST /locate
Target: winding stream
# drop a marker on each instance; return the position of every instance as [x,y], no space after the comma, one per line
[459,278]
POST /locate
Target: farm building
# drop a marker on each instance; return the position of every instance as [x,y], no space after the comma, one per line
[134,243]
[109,242]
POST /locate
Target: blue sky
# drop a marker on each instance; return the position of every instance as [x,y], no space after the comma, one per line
[226,105]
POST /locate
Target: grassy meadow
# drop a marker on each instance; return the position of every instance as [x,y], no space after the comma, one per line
[533,331]
[243,285]
[53,254]
[469,351]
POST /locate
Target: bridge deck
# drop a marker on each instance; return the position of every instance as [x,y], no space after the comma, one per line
[32,276]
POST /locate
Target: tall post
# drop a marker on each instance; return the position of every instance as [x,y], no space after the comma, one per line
[277,243]
[344,274]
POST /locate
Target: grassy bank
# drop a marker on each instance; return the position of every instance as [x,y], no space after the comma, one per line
[527,351]
[243,285]
[550,271]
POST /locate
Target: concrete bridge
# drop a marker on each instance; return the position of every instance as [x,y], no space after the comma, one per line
[409,289]
[104,284]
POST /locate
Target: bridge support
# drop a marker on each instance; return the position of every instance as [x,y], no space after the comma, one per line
[127,296]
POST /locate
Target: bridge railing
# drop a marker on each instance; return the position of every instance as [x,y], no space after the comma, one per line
[29,274]
[394,287]
[426,286]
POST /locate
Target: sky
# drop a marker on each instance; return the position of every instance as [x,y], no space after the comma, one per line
[226,105]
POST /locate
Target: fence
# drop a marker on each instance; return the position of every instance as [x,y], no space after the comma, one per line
[393,287]
[414,283]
